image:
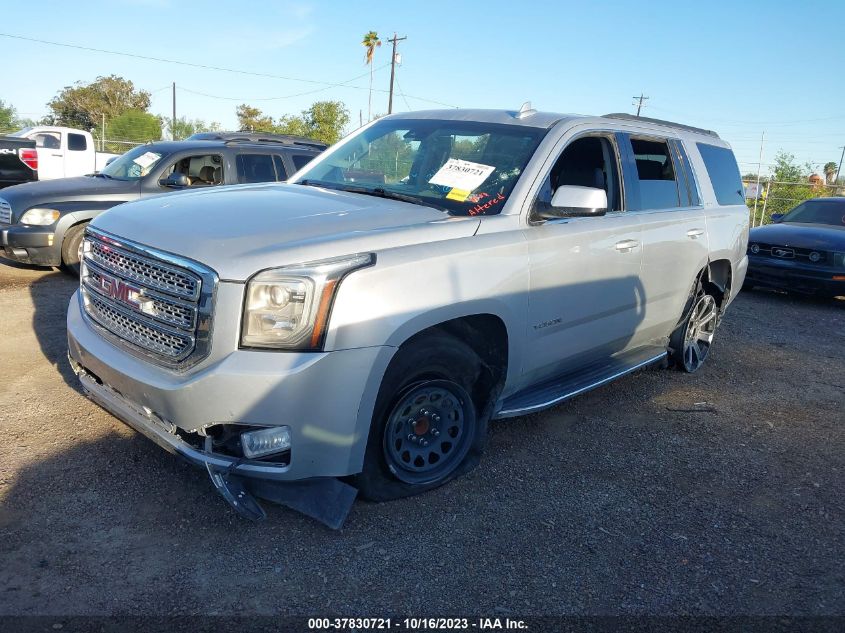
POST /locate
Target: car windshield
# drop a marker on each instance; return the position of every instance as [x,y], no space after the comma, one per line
[463,167]
[819,211]
[134,164]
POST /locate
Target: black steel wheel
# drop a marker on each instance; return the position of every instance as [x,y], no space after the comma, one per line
[430,419]
[428,431]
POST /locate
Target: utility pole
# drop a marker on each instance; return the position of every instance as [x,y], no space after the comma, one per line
[393,70]
[757,187]
[173,120]
[638,101]
[839,167]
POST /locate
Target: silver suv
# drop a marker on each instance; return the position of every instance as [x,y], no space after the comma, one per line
[356,329]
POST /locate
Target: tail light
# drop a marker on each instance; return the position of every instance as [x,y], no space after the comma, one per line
[29,158]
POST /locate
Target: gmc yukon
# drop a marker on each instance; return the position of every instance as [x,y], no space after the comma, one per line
[356,329]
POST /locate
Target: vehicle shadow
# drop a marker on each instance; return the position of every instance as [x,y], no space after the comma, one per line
[50,295]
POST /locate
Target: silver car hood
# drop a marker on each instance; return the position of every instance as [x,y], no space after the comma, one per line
[240,230]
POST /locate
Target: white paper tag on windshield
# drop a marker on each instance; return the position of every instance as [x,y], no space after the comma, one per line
[145,160]
[461,174]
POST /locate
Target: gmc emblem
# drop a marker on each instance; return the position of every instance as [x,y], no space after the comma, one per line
[120,291]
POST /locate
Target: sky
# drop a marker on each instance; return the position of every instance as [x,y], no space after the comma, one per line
[739,68]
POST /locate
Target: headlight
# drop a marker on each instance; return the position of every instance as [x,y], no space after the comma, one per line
[39,217]
[288,308]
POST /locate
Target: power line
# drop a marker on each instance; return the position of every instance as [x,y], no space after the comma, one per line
[206,66]
[297,94]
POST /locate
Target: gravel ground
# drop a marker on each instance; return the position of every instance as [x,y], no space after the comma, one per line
[632,499]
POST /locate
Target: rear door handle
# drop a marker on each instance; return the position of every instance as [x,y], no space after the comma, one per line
[694,233]
[626,246]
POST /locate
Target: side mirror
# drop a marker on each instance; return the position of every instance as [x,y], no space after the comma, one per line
[777,217]
[573,201]
[176,180]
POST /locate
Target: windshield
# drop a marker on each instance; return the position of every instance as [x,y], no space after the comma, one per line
[464,167]
[134,164]
[819,211]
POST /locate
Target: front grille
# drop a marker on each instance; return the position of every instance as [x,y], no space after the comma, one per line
[149,273]
[5,212]
[776,251]
[150,302]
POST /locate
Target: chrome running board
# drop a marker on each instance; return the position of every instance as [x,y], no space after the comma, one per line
[556,390]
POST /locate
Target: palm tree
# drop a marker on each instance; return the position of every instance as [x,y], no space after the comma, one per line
[830,172]
[371,42]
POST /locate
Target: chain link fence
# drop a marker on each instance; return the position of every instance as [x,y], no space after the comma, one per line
[775,197]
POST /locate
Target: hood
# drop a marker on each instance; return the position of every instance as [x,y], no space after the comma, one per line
[798,235]
[79,189]
[240,230]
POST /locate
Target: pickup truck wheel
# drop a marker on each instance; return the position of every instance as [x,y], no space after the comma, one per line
[70,249]
[690,343]
[427,428]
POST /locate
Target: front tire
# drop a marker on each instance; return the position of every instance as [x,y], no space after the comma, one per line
[690,343]
[430,420]
[70,249]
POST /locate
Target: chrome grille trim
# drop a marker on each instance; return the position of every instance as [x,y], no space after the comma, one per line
[5,212]
[145,271]
[151,303]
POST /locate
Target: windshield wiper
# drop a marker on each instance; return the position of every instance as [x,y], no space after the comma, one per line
[379,192]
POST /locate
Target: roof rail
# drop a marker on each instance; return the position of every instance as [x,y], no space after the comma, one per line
[632,117]
[256,137]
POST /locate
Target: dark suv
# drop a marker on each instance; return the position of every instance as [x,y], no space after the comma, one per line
[42,223]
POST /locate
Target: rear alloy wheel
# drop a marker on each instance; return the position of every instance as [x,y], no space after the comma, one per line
[698,335]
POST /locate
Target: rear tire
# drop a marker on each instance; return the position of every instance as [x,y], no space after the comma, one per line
[689,344]
[70,249]
[430,420]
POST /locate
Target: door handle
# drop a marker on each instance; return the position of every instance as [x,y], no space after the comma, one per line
[626,246]
[694,233]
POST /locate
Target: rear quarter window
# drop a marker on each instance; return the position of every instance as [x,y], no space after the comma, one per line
[723,172]
[76,142]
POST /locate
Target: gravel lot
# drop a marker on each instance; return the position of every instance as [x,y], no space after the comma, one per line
[632,499]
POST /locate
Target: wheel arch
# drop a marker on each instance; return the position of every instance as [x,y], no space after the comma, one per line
[487,335]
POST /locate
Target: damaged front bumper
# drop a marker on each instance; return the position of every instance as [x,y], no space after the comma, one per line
[237,480]
[324,399]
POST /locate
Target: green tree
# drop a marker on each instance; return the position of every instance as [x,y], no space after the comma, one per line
[253,120]
[83,105]
[370,43]
[185,127]
[8,117]
[323,121]
[133,126]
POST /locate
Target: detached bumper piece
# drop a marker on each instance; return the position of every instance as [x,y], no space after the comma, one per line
[239,481]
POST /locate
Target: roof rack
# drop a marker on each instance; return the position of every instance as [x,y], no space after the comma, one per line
[256,137]
[631,117]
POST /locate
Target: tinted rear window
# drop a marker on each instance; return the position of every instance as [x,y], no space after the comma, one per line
[723,172]
[301,160]
[255,168]
[76,142]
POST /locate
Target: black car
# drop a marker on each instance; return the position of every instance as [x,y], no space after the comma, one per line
[802,251]
[42,223]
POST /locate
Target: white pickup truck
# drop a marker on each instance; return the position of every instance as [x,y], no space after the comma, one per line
[64,152]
